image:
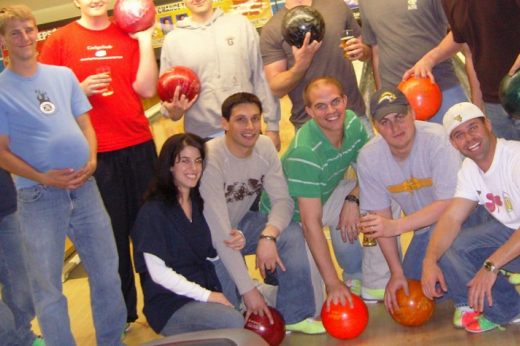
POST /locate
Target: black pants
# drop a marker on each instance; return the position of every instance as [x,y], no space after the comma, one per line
[123,177]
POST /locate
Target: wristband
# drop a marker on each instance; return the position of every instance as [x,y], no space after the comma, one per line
[352,198]
[268,237]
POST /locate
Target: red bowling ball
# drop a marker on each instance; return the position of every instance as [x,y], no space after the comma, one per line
[424,96]
[345,322]
[134,15]
[178,76]
[414,309]
[272,333]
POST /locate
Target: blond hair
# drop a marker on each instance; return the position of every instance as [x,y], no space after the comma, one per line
[20,12]
[314,83]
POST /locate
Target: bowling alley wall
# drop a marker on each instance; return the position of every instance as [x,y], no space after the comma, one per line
[168,13]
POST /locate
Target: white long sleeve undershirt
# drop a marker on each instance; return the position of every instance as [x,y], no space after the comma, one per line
[171,280]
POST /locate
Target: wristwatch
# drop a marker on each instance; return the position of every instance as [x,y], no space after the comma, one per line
[268,237]
[490,267]
[352,198]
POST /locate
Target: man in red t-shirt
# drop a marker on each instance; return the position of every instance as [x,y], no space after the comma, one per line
[115,69]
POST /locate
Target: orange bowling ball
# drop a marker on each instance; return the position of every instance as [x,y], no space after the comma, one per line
[415,309]
[343,321]
[424,96]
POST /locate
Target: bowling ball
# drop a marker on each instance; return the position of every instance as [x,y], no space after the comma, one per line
[509,94]
[178,76]
[344,322]
[300,20]
[415,309]
[272,333]
[424,96]
[134,15]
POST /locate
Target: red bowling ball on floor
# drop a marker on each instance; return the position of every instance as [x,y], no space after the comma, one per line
[178,76]
[414,309]
[272,333]
[424,96]
[134,15]
[345,322]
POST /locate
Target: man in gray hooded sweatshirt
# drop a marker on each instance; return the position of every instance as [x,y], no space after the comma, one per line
[223,50]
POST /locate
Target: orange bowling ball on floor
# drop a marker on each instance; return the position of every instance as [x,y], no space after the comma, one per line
[415,309]
[424,96]
[345,322]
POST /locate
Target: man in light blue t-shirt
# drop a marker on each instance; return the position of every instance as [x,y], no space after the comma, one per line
[47,141]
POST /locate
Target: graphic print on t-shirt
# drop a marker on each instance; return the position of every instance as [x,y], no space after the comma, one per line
[238,191]
[46,106]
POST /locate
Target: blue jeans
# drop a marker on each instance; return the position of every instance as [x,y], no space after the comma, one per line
[450,97]
[504,126]
[295,297]
[196,316]
[16,306]
[47,215]
[413,259]
[465,258]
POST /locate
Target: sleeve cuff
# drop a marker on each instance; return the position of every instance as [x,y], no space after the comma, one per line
[273,126]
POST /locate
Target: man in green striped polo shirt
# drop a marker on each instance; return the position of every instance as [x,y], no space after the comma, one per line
[314,165]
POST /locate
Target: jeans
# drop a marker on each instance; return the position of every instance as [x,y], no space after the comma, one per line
[450,97]
[16,306]
[294,284]
[123,177]
[504,126]
[413,258]
[47,215]
[195,316]
[465,258]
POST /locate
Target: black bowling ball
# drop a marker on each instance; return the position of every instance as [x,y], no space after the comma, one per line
[300,20]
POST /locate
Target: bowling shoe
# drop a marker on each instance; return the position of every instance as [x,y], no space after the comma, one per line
[482,324]
[307,326]
[463,316]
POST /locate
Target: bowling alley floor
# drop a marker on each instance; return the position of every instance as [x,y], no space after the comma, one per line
[381,329]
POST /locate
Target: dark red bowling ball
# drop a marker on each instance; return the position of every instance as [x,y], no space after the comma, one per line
[272,333]
[178,76]
[300,20]
[414,309]
[509,94]
[424,96]
[134,15]
[344,322]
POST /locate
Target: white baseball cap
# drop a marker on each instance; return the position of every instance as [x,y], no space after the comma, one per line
[460,113]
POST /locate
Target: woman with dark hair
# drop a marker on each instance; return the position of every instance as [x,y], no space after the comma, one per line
[173,249]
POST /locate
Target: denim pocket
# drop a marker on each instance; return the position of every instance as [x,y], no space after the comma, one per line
[31,194]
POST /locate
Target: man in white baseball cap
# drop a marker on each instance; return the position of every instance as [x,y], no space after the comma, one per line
[473,258]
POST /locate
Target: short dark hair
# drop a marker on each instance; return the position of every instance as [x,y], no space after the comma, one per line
[162,186]
[320,80]
[238,99]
